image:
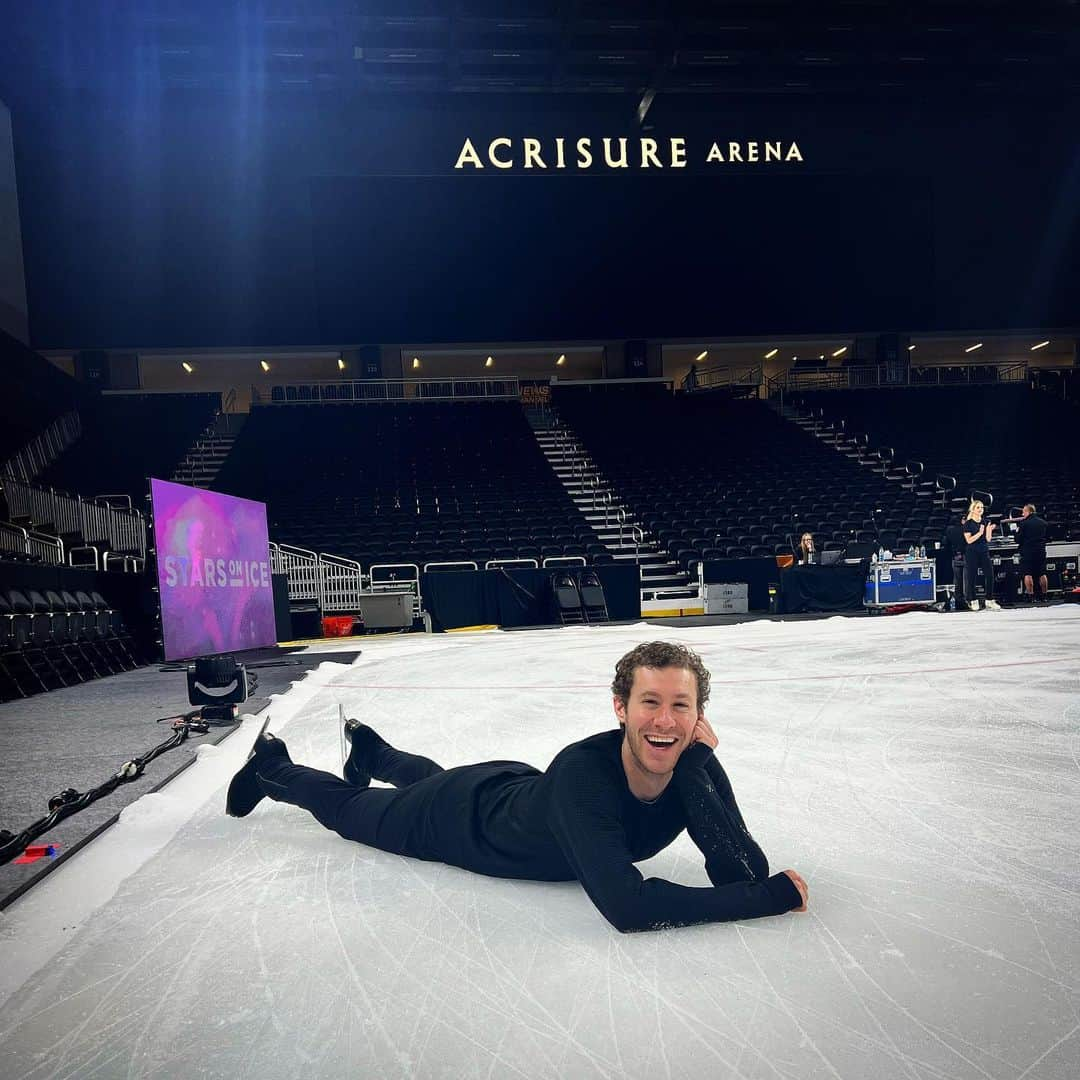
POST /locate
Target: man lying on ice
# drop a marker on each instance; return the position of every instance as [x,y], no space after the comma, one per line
[603,804]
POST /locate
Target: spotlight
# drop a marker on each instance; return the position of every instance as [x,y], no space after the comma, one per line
[840,351]
[561,360]
[219,684]
[771,353]
[489,362]
[1041,345]
[972,348]
[701,355]
[415,362]
[187,367]
[910,347]
[340,363]
[264,365]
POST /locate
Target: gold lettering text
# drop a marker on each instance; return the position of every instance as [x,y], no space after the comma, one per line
[468,156]
[498,162]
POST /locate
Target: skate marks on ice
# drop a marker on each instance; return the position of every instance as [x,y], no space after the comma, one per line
[933,814]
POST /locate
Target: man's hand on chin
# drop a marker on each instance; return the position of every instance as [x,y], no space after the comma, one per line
[703,733]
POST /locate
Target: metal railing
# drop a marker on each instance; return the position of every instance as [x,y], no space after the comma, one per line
[607,501]
[15,540]
[564,560]
[300,566]
[119,530]
[44,448]
[341,583]
[886,376]
[380,391]
[397,577]
[457,564]
[710,378]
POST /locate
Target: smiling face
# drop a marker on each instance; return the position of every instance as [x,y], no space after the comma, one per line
[658,721]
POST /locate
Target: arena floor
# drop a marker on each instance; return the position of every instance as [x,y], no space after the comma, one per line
[921,772]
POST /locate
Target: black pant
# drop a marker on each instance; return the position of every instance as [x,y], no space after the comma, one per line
[975,560]
[378,817]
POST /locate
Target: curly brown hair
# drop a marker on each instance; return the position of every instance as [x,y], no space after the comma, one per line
[659,654]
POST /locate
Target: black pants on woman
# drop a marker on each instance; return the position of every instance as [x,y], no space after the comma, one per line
[384,818]
[974,561]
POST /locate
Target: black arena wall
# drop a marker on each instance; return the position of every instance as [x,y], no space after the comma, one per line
[193,218]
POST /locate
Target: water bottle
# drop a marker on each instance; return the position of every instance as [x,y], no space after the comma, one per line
[880,553]
[922,551]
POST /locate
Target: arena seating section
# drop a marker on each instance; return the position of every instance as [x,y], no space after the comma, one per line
[51,638]
[128,437]
[713,476]
[1019,444]
[406,483]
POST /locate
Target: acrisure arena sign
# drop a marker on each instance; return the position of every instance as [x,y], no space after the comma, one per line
[617,153]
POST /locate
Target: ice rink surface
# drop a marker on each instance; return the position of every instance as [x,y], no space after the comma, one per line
[922,772]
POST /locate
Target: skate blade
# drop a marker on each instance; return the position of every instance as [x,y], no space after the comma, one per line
[341,734]
[262,732]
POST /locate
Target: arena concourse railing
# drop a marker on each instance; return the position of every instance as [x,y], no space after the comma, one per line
[885,376]
[376,391]
[710,378]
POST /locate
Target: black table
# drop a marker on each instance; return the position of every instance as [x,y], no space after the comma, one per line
[519,597]
[823,588]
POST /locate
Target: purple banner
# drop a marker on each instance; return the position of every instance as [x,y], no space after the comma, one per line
[213,565]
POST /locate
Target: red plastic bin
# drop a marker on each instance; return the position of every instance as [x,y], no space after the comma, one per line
[337,625]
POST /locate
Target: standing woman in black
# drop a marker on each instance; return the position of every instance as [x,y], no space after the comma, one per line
[977,555]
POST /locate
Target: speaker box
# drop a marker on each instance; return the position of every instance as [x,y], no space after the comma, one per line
[634,353]
[282,615]
[370,362]
[92,368]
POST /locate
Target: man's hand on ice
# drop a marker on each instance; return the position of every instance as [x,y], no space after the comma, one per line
[800,884]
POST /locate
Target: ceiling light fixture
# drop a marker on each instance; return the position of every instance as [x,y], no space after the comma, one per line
[187,367]
[264,365]
[972,348]
[416,361]
[489,362]
[840,351]
[561,360]
[771,353]
[701,355]
[1041,345]
[341,363]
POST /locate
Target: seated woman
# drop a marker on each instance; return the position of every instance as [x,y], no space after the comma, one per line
[805,552]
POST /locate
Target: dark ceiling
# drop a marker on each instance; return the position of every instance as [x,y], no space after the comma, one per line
[544,47]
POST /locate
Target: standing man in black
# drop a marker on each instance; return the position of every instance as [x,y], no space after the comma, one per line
[603,804]
[1031,536]
[977,555]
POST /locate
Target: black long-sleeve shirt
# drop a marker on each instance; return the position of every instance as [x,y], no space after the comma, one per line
[579,820]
